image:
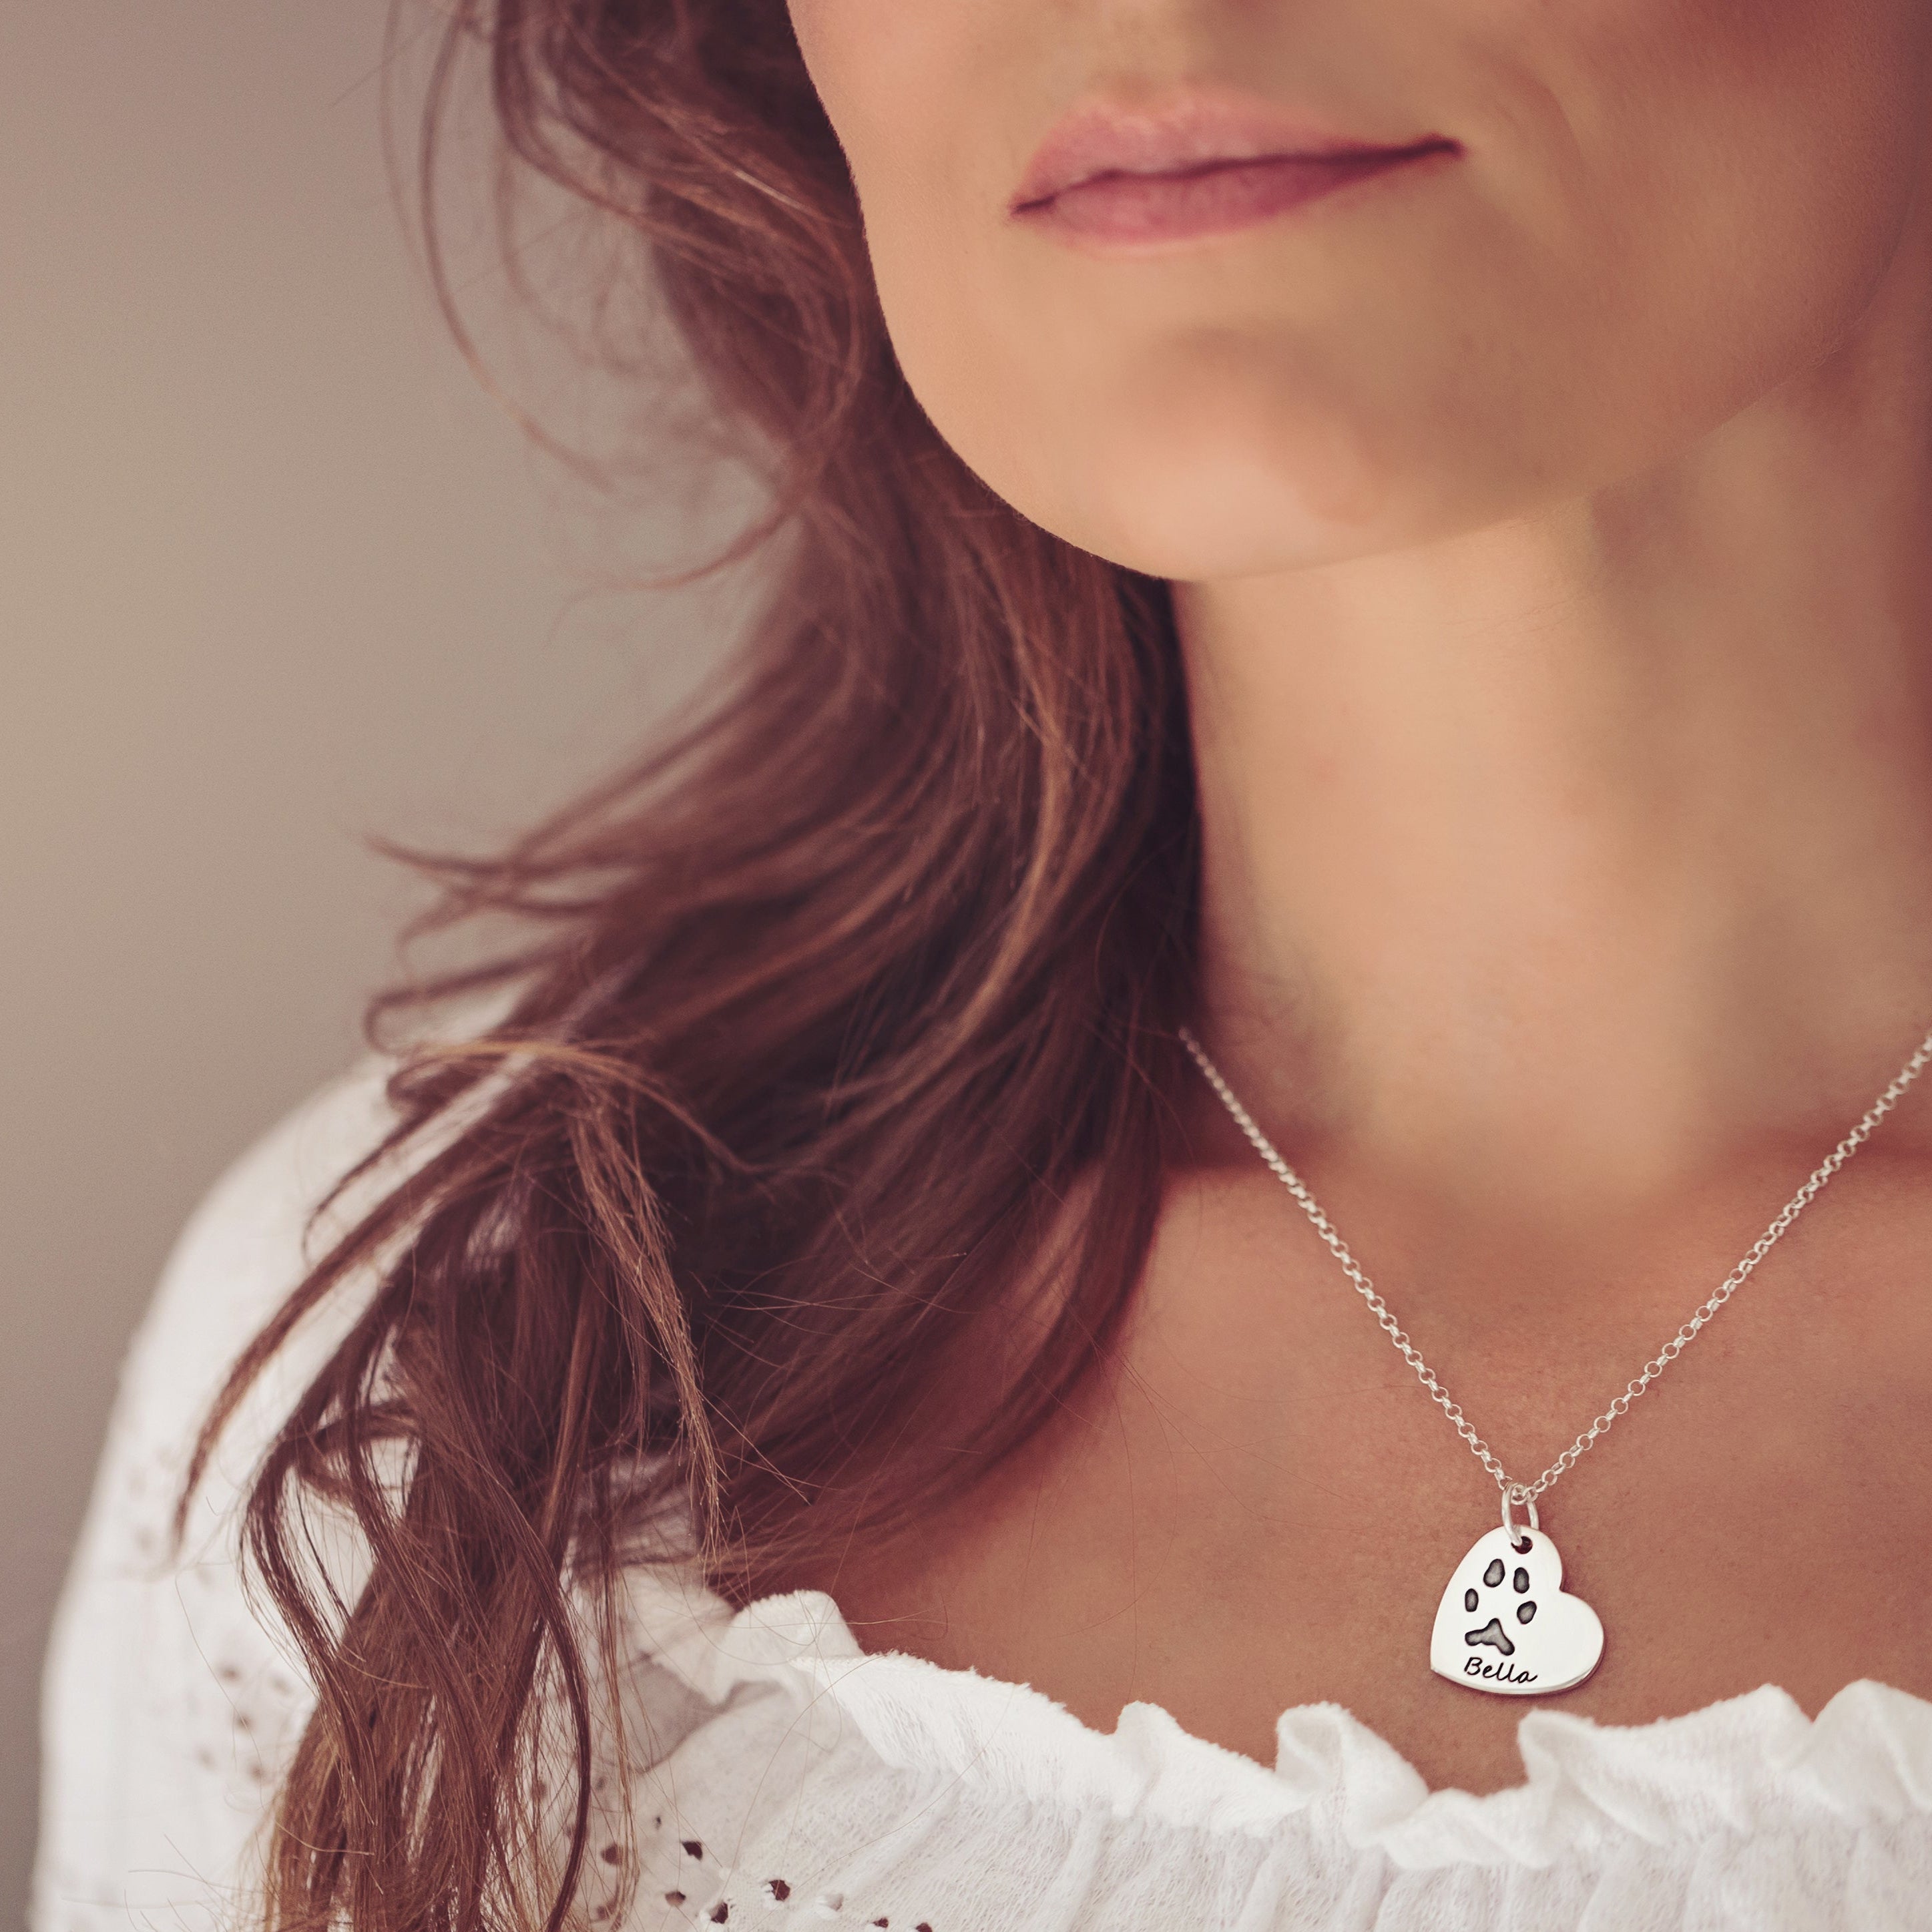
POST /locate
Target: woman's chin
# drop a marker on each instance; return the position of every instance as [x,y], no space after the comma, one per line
[1226,524]
[1200,484]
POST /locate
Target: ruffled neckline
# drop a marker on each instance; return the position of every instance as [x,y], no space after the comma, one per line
[1743,1764]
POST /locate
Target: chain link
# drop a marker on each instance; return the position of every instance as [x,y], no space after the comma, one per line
[1528,1492]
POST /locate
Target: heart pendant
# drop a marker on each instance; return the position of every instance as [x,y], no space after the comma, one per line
[1504,1624]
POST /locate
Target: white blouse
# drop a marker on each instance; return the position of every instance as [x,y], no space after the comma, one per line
[794,1784]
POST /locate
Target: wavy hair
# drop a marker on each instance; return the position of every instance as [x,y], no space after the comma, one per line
[834,1026]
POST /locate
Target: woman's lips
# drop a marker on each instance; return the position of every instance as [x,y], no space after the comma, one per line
[1199,165]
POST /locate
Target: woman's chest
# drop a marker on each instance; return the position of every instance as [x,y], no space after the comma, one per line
[1262,1508]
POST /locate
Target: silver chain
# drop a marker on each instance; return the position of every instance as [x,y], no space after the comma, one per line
[1528,1492]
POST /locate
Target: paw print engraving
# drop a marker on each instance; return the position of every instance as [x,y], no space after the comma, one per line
[1474,1601]
[1506,1624]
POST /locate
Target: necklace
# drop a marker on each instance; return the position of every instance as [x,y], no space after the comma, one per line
[1505,1624]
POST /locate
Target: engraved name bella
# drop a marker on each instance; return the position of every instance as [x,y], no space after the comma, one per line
[1505,1673]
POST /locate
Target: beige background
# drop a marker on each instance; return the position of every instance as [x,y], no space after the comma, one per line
[275,573]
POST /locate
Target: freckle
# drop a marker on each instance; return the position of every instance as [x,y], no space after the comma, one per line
[694,1848]
[720,1912]
[777,1888]
[674,1898]
[610,1854]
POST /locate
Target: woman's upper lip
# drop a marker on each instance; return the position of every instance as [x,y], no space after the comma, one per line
[1184,132]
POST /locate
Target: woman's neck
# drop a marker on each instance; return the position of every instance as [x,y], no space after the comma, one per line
[1560,854]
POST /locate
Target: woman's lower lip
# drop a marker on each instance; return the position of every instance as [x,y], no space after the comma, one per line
[1122,209]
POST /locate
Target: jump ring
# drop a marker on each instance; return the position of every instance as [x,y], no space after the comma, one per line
[1514,1495]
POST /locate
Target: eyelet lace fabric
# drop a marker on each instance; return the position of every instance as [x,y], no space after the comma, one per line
[783,1778]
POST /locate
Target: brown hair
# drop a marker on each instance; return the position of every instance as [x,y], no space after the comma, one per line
[819,1019]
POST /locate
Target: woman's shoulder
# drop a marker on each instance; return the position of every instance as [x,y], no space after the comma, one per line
[253,1236]
[169,1700]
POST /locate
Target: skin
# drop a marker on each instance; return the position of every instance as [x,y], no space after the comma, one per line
[1551,534]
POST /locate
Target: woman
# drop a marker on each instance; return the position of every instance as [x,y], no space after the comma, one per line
[1352,594]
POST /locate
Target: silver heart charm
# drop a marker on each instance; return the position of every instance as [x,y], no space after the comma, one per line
[1504,1624]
